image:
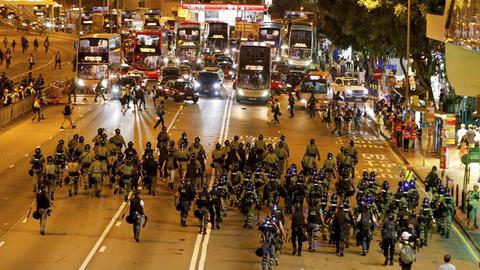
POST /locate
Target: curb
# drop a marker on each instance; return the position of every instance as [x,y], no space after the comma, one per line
[461,224]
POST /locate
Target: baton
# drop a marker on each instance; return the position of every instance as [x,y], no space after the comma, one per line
[29,211]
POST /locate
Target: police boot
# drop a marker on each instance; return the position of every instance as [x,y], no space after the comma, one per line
[183,223]
[97,194]
[70,193]
[294,251]
[51,196]
[299,252]
[386,261]
[218,226]
[170,185]
[115,191]
[391,261]
[204,231]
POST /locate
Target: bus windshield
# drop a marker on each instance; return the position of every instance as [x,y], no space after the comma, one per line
[150,41]
[301,39]
[208,77]
[269,34]
[299,54]
[94,45]
[218,28]
[254,68]
[188,34]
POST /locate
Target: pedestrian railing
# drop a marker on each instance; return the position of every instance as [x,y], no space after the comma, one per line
[15,110]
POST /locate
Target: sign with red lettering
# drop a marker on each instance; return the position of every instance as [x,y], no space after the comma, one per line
[256,8]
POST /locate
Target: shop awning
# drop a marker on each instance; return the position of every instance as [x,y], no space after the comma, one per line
[463,68]
[27,2]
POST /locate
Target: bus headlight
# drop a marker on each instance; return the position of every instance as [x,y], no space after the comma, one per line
[186,76]
[230,72]
[264,93]
[216,85]
[308,63]
[80,82]
[177,60]
[241,93]
[365,91]
[290,62]
[277,58]
[289,85]
[115,89]
[199,61]
[227,51]
[196,84]
[165,60]
[349,92]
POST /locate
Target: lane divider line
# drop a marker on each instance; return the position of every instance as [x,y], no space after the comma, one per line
[11,166]
[111,223]
[118,224]
[25,220]
[102,249]
[204,247]
[2,243]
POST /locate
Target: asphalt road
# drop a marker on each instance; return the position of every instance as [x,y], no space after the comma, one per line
[44,61]
[84,232]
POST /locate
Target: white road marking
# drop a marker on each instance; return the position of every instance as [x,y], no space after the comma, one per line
[38,146]
[25,220]
[112,221]
[2,243]
[81,115]
[118,223]
[223,135]
[11,166]
[50,137]
[26,155]
[102,249]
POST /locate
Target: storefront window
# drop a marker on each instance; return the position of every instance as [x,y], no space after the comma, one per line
[464,28]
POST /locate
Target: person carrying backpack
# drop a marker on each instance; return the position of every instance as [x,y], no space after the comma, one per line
[137,214]
[389,237]
[407,251]
[365,221]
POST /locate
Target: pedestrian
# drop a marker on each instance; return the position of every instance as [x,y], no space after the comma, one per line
[413,134]
[447,265]
[315,219]
[43,208]
[31,61]
[269,110]
[339,228]
[472,206]
[36,109]
[67,114]
[379,120]
[269,232]
[72,90]
[99,89]
[311,103]
[8,58]
[406,137]
[298,230]
[35,44]
[276,111]
[2,56]
[202,211]
[185,195]
[160,112]
[137,213]
[14,44]
[407,251]
[150,168]
[291,104]
[5,42]
[58,60]
[46,44]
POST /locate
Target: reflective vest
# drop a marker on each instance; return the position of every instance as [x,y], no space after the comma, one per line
[413,134]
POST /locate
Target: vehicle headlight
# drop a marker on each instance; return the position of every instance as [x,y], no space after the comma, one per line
[186,76]
[181,93]
[234,49]
[81,82]
[165,60]
[115,89]
[349,91]
[290,62]
[234,65]
[230,72]
[199,60]
[241,93]
[277,58]
[227,51]
[216,85]
[177,60]
[308,63]
[304,101]
[196,84]
[365,91]
[289,85]
[196,93]
[264,93]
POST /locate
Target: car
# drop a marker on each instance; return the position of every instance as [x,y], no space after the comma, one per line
[172,71]
[186,72]
[23,25]
[281,67]
[350,89]
[292,80]
[223,59]
[181,90]
[218,70]
[208,82]
[277,84]
[315,83]
[228,70]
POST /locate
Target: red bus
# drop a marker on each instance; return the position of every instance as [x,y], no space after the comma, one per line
[149,50]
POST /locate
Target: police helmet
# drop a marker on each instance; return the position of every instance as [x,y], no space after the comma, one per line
[352,143]
[312,141]
[75,136]
[236,138]
[87,146]
[49,159]
[117,131]
[81,139]
[149,144]
[218,146]
[38,151]
[130,144]
[61,141]
[184,135]
[385,186]
[365,174]
[197,140]
[260,137]
[164,128]
[282,137]
[226,143]
[329,155]
[100,130]
[248,145]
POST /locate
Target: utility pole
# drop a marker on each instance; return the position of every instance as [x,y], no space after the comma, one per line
[407,76]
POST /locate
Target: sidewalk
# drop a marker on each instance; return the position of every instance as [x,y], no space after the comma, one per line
[455,173]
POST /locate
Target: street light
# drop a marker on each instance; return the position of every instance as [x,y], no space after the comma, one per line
[407,79]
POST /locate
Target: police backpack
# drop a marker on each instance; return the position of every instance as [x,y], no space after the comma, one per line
[36,214]
[129,219]
[259,252]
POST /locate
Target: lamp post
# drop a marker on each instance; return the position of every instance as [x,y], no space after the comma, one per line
[407,78]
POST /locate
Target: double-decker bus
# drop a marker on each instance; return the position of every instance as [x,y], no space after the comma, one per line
[111,23]
[151,20]
[86,22]
[149,48]
[217,38]
[253,75]
[301,45]
[188,47]
[271,33]
[127,19]
[99,56]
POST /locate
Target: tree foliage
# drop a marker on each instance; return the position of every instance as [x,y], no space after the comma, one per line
[379,29]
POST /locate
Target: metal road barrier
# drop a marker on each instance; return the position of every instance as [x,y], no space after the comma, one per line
[15,110]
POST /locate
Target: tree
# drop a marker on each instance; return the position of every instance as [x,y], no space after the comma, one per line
[378,28]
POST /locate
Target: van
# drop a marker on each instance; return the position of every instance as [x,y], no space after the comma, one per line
[217,70]
[314,83]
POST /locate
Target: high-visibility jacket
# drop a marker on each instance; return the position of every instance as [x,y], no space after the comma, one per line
[406,134]
[413,134]
[398,126]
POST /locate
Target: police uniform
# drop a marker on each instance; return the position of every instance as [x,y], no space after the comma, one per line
[98,169]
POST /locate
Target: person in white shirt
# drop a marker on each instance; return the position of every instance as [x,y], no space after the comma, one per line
[447,265]
[460,133]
